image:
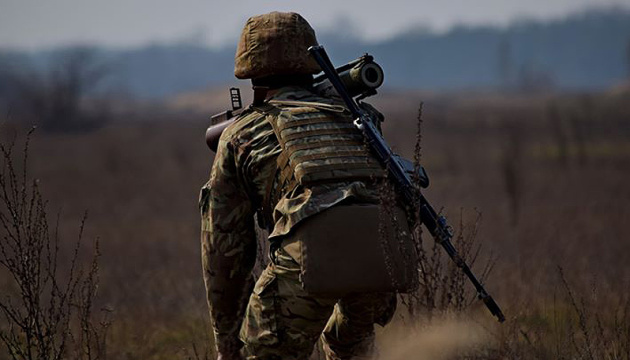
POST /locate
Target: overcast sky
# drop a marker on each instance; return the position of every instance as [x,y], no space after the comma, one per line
[122,23]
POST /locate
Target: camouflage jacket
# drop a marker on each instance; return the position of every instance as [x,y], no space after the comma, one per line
[243,167]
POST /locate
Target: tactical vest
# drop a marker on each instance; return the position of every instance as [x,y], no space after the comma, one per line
[320,144]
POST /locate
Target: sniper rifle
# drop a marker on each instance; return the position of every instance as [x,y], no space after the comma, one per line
[400,175]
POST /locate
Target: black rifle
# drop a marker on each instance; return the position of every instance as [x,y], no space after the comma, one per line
[436,224]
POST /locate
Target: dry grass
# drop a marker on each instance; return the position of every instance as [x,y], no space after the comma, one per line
[551,186]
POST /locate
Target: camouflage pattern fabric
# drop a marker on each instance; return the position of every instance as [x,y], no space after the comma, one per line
[320,144]
[275,44]
[282,321]
[242,169]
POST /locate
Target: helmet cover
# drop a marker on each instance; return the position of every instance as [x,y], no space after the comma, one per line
[275,44]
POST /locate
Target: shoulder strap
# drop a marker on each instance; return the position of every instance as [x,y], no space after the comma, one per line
[268,109]
[317,105]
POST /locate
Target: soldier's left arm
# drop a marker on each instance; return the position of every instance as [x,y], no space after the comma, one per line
[228,244]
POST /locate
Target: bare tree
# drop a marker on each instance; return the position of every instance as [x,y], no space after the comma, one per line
[57,99]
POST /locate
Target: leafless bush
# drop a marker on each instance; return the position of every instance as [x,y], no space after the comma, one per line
[47,304]
[577,325]
[592,338]
[443,285]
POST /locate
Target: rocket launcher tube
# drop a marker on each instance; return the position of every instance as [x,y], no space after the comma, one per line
[361,77]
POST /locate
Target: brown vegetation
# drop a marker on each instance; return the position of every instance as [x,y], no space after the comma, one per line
[548,175]
[47,302]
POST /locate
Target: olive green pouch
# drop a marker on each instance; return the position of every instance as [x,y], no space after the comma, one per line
[355,248]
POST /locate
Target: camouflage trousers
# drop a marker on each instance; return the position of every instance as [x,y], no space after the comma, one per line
[283,321]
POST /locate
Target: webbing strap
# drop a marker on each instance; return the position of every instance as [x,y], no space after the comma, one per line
[283,159]
[344,166]
[316,105]
[286,174]
[330,155]
[309,133]
[316,144]
[287,165]
[311,121]
[267,209]
[372,171]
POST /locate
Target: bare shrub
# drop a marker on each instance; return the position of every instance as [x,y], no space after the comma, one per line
[443,286]
[47,304]
[577,325]
[598,334]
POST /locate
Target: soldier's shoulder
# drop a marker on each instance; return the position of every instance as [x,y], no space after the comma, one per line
[293,107]
[242,122]
[299,94]
[297,99]
[301,101]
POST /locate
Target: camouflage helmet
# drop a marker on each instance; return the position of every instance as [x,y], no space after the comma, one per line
[275,44]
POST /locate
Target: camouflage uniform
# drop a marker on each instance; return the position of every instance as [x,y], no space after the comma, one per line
[281,320]
[277,318]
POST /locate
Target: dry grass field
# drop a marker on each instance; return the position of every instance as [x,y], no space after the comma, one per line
[549,176]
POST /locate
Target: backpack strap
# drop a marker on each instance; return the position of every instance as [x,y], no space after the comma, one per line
[266,210]
[316,105]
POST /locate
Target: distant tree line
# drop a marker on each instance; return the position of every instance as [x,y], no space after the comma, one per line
[59,96]
[588,51]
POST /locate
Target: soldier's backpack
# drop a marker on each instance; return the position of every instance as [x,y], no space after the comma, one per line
[350,247]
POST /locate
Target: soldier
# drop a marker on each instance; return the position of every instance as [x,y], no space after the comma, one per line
[286,159]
